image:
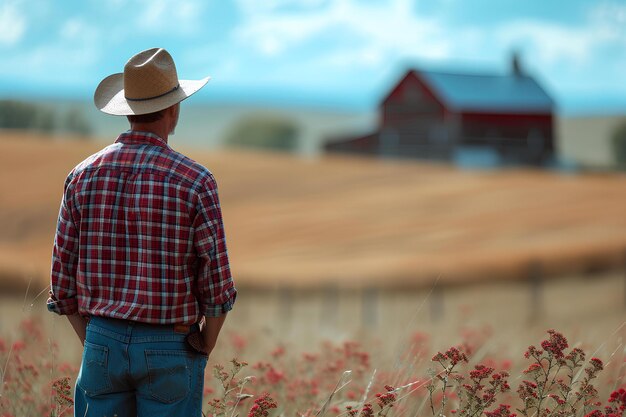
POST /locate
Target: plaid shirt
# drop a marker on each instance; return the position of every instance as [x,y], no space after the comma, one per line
[140,237]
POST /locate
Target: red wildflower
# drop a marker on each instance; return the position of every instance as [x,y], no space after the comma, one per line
[278,352]
[273,376]
[555,344]
[597,364]
[455,356]
[367,410]
[534,367]
[501,411]
[481,372]
[262,405]
[239,342]
[18,345]
[387,398]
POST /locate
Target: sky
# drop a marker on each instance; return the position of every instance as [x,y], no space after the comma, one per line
[337,53]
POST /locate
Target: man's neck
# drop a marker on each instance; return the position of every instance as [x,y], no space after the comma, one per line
[156,128]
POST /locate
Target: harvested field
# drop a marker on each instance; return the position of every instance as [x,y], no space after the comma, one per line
[347,222]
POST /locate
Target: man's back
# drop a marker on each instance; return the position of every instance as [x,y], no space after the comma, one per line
[147,223]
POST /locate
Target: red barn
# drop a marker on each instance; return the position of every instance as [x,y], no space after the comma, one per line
[466,118]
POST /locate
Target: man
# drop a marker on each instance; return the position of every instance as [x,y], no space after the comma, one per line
[139,263]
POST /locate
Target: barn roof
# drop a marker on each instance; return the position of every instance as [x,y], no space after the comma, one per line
[471,92]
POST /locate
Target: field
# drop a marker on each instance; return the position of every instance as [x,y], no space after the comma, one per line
[347,221]
[398,260]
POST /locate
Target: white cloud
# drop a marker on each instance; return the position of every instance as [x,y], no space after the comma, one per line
[78,30]
[256,6]
[551,43]
[12,22]
[178,17]
[377,31]
[63,57]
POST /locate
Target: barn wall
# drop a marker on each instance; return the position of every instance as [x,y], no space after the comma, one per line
[415,122]
[523,138]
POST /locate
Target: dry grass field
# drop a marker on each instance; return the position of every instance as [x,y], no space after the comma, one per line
[347,222]
[347,249]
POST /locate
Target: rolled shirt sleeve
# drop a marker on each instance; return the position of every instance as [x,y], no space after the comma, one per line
[62,299]
[216,290]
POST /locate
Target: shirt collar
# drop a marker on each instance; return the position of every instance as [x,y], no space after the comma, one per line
[133,137]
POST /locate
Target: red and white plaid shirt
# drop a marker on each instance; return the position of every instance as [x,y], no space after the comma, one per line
[140,237]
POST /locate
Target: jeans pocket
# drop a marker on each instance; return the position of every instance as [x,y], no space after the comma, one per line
[169,374]
[94,373]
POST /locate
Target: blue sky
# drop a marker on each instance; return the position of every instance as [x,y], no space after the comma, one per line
[343,53]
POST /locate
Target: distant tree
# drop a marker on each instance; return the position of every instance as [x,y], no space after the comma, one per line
[45,120]
[619,145]
[21,115]
[33,116]
[264,132]
[75,122]
[15,114]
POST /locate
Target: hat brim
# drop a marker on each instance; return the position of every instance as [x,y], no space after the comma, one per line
[109,97]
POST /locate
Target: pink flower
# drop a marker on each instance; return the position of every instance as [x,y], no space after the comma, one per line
[18,345]
[273,376]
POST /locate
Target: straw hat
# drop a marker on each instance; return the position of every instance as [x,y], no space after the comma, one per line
[149,84]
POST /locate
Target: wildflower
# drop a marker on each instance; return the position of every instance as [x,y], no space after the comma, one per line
[597,364]
[273,376]
[66,368]
[278,352]
[455,356]
[481,372]
[219,373]
[534,367]
[262,405]
[533,352]
[18,346]
[239,342]
[386,399]
[237,365]
[309,357]
[367,410]
[501,411]
[555,397]
[555,344]
[217,405]
[62,391]
[575,356]
[506,364]
[527,390]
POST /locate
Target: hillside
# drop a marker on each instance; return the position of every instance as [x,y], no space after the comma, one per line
[347,221]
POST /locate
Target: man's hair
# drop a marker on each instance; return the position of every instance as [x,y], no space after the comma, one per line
[146,118]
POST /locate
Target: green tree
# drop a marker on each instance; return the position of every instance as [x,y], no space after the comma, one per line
[75,122]
[619,145]
[21,115]
[264,132]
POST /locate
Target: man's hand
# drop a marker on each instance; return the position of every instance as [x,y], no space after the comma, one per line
[210,331]
[79,323]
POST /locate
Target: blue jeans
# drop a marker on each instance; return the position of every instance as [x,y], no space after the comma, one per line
[136,369]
